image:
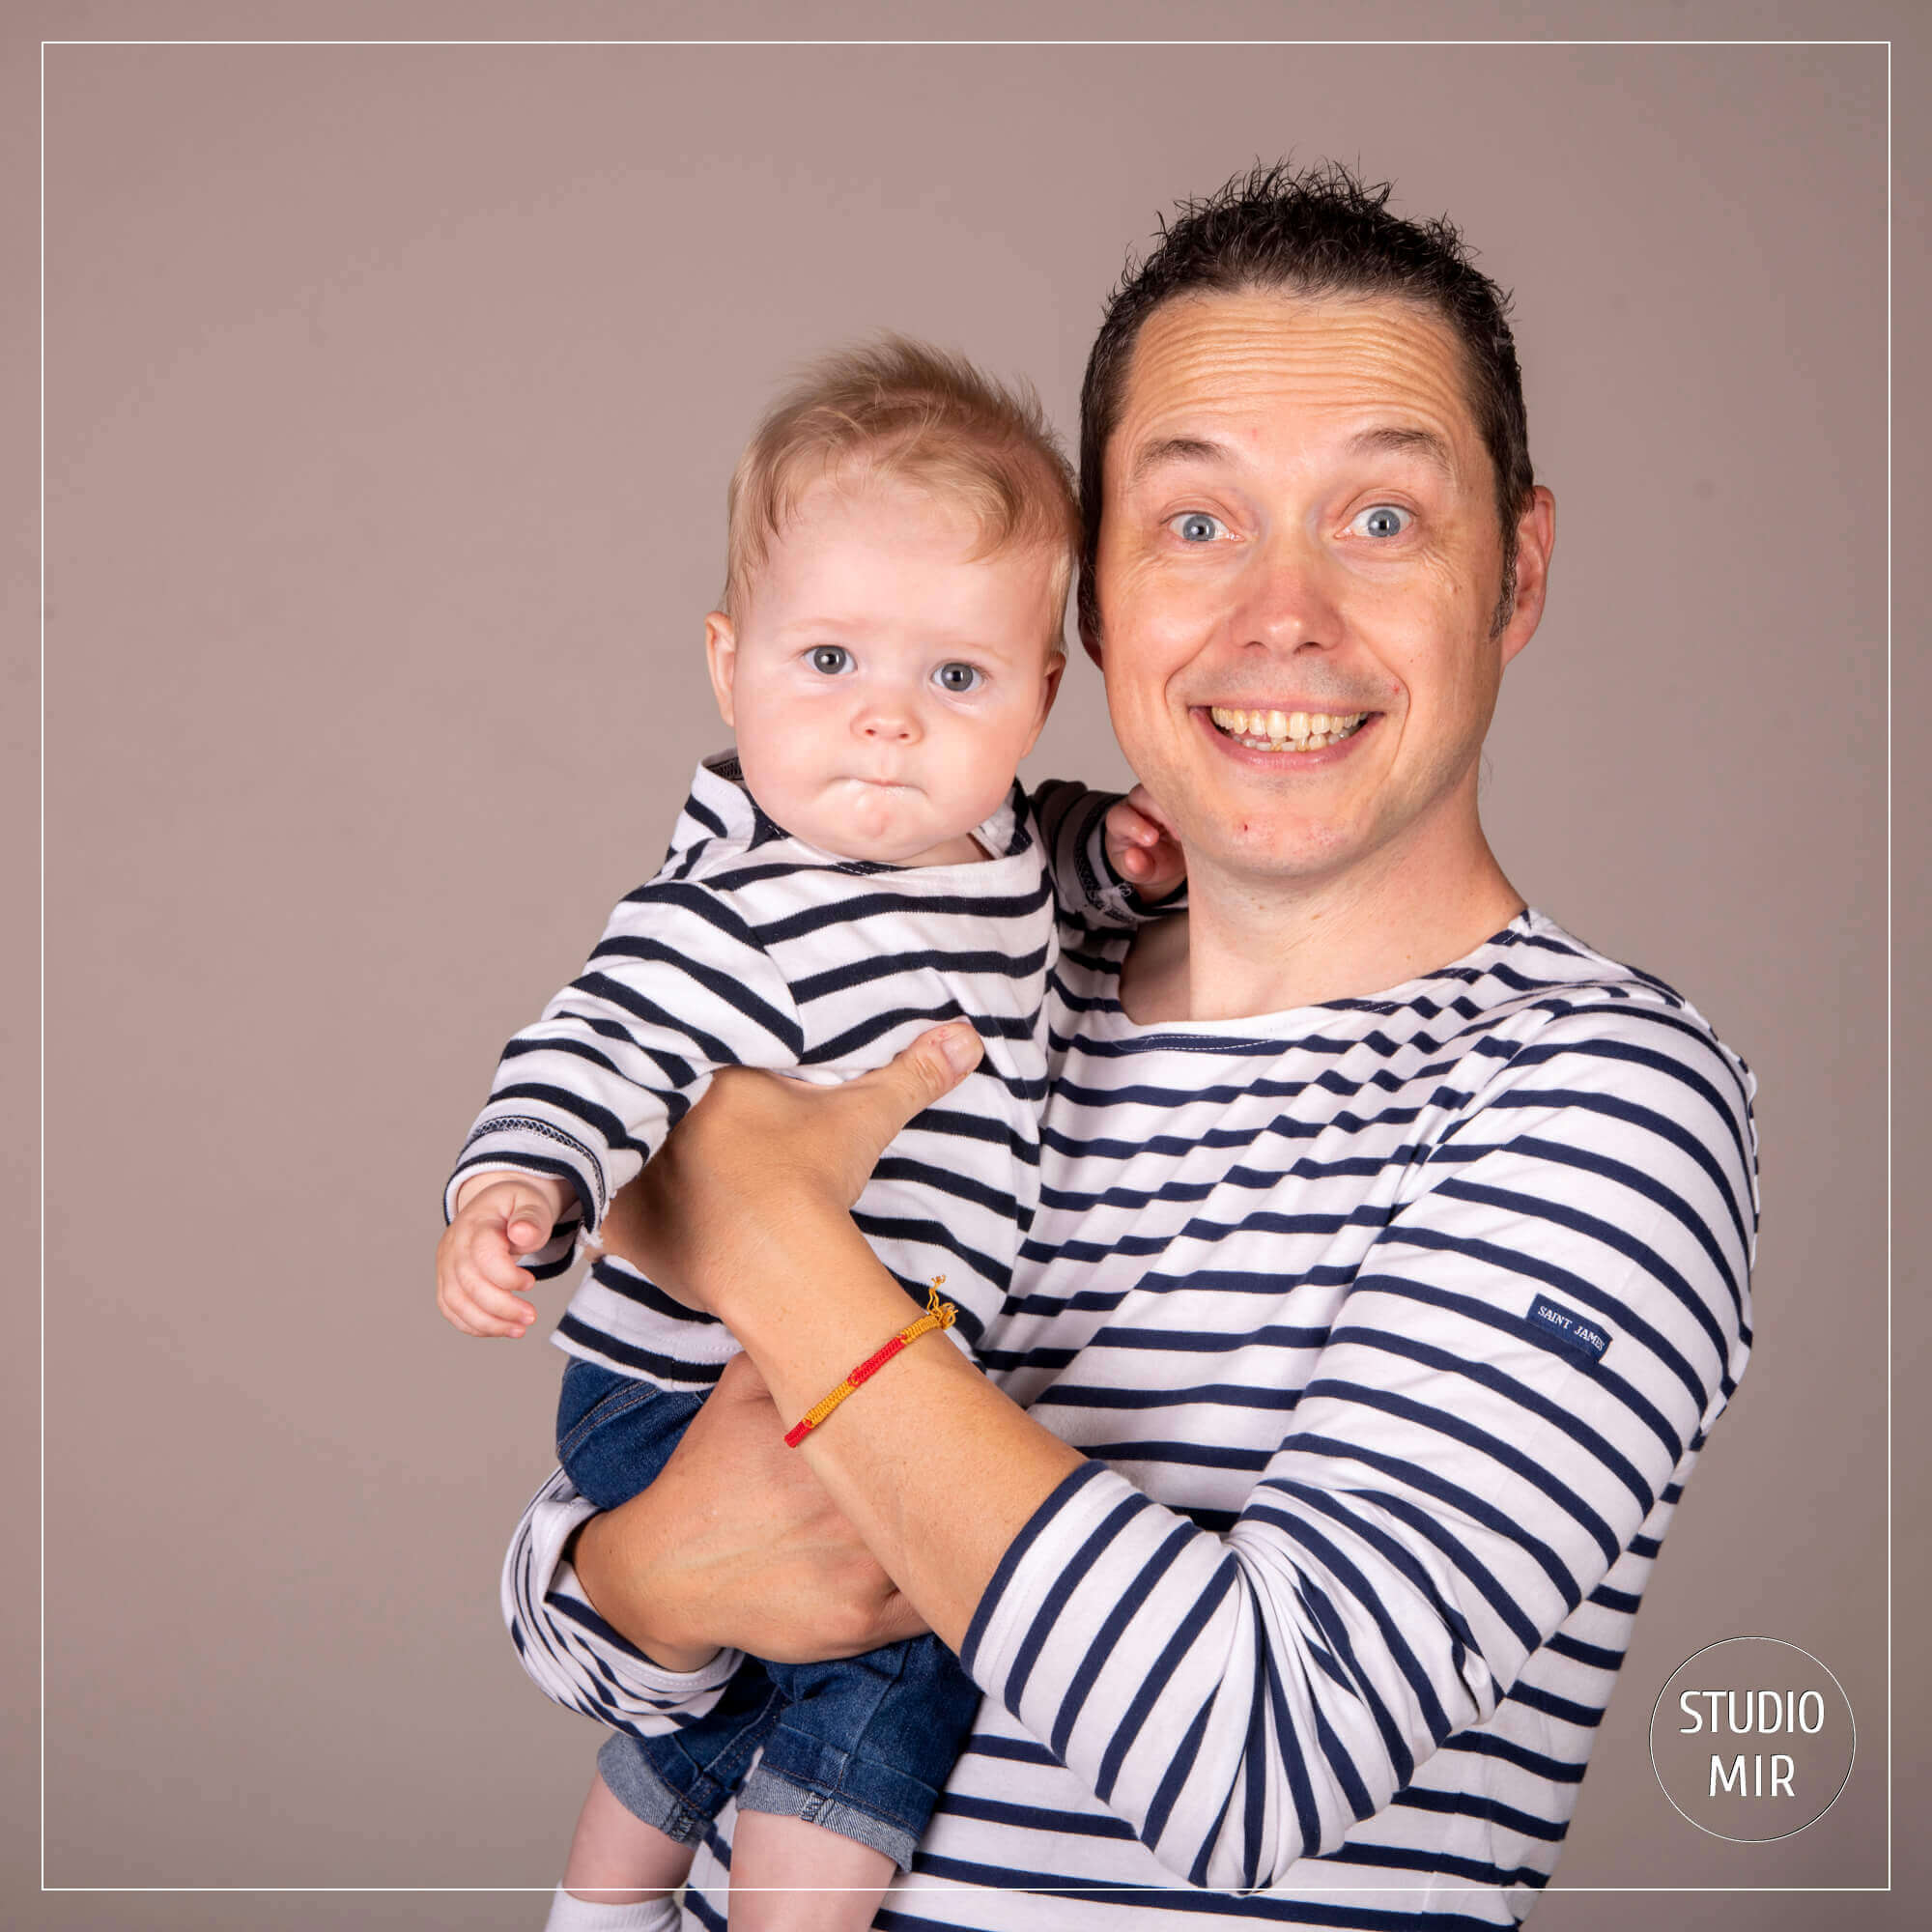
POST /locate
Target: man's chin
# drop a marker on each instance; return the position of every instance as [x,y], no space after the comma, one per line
[1270,854]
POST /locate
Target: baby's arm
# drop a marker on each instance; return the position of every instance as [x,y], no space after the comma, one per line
[1142,847]
[1114,861]
[499,1216]
[678,986]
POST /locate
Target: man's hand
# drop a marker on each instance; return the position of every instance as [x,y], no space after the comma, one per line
[758,1148]
[1141,845]
[736,1543]
[499,1216]
[746,1215]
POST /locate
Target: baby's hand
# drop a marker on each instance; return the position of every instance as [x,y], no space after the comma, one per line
[499,1216]
[1141,845]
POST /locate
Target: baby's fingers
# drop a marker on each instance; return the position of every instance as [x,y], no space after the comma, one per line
[1141,803]
[1130,840]
[1141,845]
[477,1306]
[491,1259]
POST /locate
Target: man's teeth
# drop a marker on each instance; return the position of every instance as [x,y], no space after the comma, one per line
[1281,731]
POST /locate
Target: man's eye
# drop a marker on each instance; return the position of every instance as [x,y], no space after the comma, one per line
[960,679]
[834,659]
[1197,527]
[1383,520]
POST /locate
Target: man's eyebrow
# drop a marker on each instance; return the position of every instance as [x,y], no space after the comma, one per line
[1397,441]
[1153,456]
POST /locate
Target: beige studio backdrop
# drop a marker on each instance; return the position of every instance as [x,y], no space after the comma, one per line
[391,398]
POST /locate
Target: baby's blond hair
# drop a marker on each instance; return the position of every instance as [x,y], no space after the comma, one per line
[901,408]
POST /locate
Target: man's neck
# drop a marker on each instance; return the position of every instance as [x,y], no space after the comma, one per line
[1247,946]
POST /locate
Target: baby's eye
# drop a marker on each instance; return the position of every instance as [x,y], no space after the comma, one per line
[1382,520]
[1197,527]
[834,659]
[960,679]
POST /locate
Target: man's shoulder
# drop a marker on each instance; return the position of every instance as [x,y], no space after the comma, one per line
[1528,976]
[1537,969]
[1561,1018]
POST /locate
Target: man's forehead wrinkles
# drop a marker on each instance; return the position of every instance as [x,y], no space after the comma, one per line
[1217,360]
[1220,390]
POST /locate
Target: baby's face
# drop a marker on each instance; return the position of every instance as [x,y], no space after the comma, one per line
[883,683]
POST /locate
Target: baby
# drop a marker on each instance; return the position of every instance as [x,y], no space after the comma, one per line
[861,867]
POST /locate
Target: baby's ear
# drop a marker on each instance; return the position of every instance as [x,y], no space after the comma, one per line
[1049,685]
[721,656]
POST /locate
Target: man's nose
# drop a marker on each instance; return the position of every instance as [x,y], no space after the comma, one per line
[1286,595]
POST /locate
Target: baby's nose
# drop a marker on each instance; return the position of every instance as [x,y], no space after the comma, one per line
[887,719]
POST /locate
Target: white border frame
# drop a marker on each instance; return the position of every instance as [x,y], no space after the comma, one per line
[926,44]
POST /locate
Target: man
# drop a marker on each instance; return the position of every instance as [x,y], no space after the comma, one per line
[1392,1259]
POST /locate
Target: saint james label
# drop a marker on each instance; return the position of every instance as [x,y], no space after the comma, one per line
[1583,1338]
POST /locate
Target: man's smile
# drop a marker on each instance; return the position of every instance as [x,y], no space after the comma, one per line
[1296,734]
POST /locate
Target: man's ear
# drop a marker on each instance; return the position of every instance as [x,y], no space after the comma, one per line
[721,658]
[1090,640]
[1049,687]
[1535,544]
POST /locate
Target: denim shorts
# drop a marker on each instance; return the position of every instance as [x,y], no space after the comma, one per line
[861,1745]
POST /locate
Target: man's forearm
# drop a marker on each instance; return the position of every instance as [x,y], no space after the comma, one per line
[934,1467]
[617,1556]
[737,1545]
[921,1480]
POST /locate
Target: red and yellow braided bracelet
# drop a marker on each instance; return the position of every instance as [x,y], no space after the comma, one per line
[938,1315]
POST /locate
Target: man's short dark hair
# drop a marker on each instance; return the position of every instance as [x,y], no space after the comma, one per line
[1318,232]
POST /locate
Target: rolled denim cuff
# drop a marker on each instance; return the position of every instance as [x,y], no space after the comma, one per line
[771,1791]
[632,1779]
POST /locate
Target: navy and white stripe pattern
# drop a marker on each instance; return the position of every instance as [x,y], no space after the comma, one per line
[570,1651]
[753,949]
[1392,1330]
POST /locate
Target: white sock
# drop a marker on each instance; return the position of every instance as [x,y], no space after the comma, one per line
[589,1914]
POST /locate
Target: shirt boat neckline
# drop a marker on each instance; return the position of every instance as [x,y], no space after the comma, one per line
[998,830]
[1277,1030]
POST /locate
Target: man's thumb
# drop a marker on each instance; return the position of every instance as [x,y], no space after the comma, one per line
[882,1101]
[944,1058]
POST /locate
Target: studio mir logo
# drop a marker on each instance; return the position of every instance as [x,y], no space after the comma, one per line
[1753,1739]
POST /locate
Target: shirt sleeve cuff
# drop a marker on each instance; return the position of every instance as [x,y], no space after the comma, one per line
[572,1655]
[1120,900]
[508,1149]
[1031,1568]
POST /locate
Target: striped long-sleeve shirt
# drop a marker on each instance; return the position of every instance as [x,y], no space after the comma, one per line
[1392,1329]
[751,949]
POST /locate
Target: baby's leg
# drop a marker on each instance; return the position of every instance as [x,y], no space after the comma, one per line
[789,1876]
[620,1872]
[847,1783]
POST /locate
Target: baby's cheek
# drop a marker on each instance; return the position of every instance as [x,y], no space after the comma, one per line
[986,777]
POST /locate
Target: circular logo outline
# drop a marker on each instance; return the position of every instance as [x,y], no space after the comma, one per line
[1650,1738]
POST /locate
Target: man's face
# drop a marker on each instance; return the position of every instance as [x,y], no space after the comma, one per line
[1299,569]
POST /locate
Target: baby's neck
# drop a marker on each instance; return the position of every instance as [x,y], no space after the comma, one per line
[965,850]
